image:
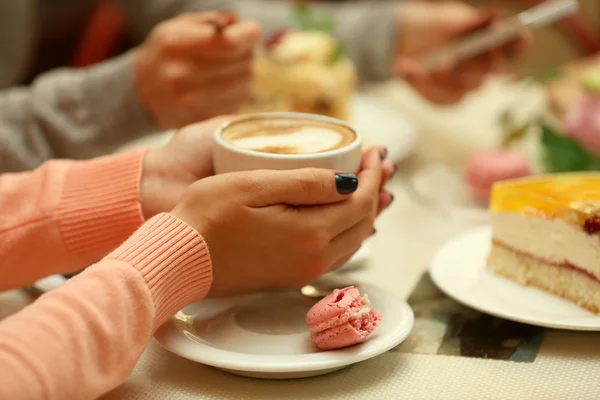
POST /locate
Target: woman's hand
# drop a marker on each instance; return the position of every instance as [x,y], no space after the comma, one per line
[169,170]
[194,67]
[425,27]
[282,229]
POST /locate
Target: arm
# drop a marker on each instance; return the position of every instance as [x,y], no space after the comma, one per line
[70,113]
[66,215]
[83,339]
[366,29]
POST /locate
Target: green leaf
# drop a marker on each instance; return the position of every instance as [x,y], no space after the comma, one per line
[515,134]
[309,21]
[563,154]
[324,24]
[547,75]
[302,13]
[338,54]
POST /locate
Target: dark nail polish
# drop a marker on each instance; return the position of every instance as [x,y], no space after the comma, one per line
[346,183]
[219,27]
[395,171]
[383,153]
[392,199]
[374,231]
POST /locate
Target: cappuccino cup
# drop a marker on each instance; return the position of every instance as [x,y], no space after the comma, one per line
[286,141]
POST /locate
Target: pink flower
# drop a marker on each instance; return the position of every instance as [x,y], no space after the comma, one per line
[582,122]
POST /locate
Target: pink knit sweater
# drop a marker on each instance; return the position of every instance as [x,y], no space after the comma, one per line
[84,338]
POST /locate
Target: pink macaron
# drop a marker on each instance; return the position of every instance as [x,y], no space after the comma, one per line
[490,166]
[342,319]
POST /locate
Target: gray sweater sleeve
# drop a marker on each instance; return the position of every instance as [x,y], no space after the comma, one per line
[366,29]
[73,113]
[70,113]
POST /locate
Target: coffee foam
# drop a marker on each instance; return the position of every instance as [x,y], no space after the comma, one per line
[288,136]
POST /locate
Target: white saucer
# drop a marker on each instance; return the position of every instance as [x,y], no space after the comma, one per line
[377,123]
[49,283]
[358,260]
[265,335]
[458,269]
[383,125]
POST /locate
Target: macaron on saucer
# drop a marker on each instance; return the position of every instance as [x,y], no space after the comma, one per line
[342,319]
[265,335]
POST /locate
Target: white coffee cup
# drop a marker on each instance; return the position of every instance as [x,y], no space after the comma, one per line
[228,157]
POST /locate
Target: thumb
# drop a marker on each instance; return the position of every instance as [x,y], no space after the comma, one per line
[299,187]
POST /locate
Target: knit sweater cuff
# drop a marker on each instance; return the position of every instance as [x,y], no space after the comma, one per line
[100,204]
[174,261]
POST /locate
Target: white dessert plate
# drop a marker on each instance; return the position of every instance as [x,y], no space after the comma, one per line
[265,335]
[357,261]
[458,269]
[377,123]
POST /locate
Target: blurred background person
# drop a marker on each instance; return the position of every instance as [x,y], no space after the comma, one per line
[185,69]
[144,75]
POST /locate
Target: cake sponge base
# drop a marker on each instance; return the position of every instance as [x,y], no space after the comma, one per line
[560,280]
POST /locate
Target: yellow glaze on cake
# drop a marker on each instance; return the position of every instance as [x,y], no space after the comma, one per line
[570,196]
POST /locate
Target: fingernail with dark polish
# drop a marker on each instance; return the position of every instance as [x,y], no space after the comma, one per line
[392,198]
[374,231]
[395,170]
[383,153]
[346,183]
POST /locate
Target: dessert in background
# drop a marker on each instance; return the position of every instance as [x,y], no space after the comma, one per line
[342,319]
[546,233]
[303,70]
[490,166]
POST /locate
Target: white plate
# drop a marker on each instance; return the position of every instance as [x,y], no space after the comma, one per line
[377,123]
[357,261]
[265,335]
[426,184]
[458,269]
[49,283]
[383,125]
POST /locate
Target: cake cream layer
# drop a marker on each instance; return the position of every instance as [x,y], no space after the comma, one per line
[560,280]
[553,240]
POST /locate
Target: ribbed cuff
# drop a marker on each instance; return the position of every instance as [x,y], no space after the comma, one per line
[174,261]
[100,204]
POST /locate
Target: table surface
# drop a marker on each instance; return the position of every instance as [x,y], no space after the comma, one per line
[408,233]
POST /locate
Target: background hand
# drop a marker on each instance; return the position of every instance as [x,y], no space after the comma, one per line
[187,71]
[424,27]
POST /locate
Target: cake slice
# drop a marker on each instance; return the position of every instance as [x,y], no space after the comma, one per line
[546,233]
